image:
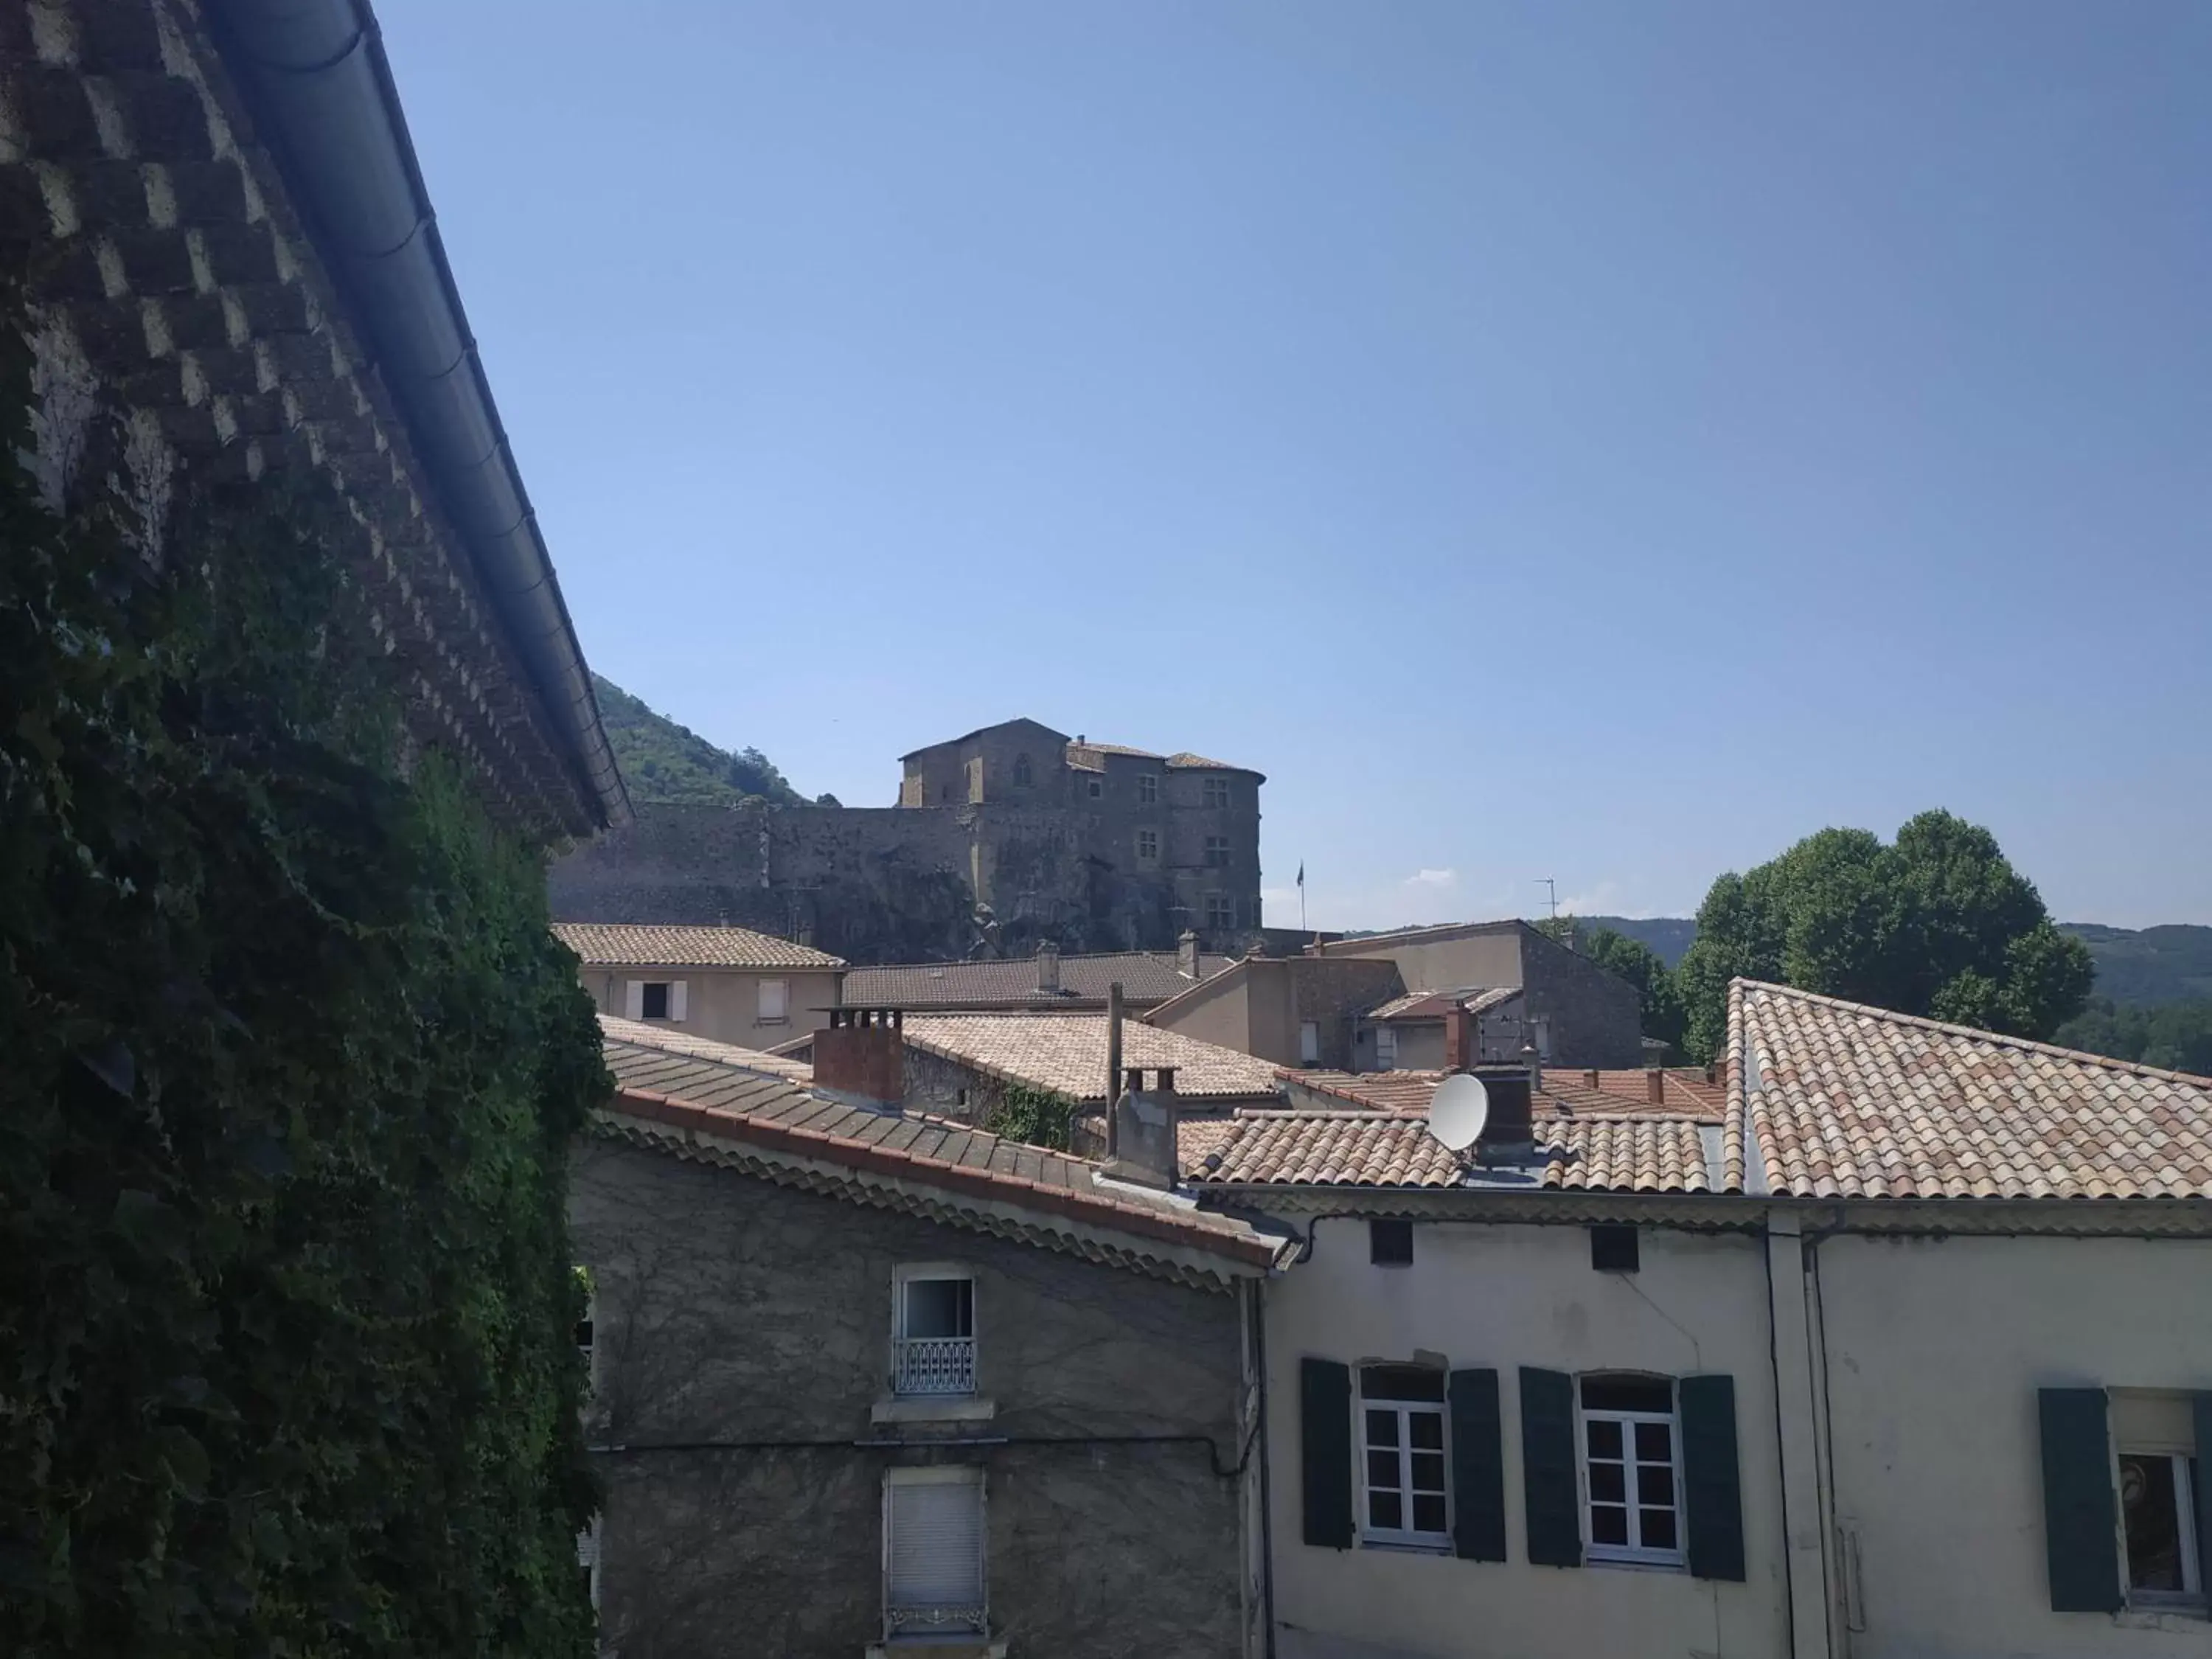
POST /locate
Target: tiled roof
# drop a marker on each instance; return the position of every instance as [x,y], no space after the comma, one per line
[1188,761]
[1834,1099]
[1117,749]
[1147,977]
[672,1097]
[1434,1005]
[1364,1149]
[1067,1053]
[641,945]
[614,1028]
[1564,1094]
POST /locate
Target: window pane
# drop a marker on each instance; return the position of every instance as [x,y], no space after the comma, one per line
[1382,1428]
[1426,1429]
[1608,1525]
[1428,1472]
[2149,1508]
[1658,1528]
[1654,1443]
[1401,1383]
[1385,1511]
[1383,1469]
[940,1307]
[1608,1484]
[1628,1394]
[1604,1439]
[1655,1483]
[655,1000]
[1429,1514]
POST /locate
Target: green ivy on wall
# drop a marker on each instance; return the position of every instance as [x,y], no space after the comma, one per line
[1035,1115]
[292,1064]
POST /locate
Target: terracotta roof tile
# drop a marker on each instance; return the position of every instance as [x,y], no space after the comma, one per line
[671,1042]
[1564,1094]
[783,1117]
[1067,1053]
[1831,1099]
[1376,1149]
[640,944]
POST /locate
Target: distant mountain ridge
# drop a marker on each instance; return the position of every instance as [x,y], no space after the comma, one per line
[2137,967]
[661,761]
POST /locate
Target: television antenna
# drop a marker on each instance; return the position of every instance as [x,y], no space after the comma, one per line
[1458,1109]
[1551,887]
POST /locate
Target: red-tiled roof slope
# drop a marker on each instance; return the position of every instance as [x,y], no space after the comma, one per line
[648,944]
[1831,1099]
[1377,1148]
[1067,1053]
[1566,1094]
[675,1098]
[1145,977]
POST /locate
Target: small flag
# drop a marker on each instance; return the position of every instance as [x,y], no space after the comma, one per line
[1302,872]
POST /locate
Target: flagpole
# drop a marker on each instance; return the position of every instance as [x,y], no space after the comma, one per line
[1302,895]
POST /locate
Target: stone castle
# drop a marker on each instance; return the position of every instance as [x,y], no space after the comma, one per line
[1002,839]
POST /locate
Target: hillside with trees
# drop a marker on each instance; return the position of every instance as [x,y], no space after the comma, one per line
[661,761]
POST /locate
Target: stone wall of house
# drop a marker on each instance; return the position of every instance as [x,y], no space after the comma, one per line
[902,883]
[746,1327]
[1595,1017]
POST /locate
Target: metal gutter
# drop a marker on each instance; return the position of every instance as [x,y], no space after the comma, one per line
[324,100]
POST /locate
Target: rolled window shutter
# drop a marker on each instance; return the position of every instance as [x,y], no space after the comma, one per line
[1325,1436]
[633,1000]
[1550,1491]
[936,1547]
[676,1000]
[1478,1462]
[1712,1487]
[2079,1527]
[2202,1413]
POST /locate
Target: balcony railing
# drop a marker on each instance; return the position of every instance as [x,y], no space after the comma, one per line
[934,1365]
[935,1619]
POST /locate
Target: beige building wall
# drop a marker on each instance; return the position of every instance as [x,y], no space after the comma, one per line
[1505,1297]
[1218,1010]
[1936,1349]
[723,1003]
[1492,959]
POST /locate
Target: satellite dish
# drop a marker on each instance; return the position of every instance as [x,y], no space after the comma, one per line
[1458,1109]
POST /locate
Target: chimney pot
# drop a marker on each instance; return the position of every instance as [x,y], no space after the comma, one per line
[862,1051]
[1145,1126]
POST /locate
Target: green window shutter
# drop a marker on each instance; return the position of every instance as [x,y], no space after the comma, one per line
[1478,1467]
[2203,1416]
[1325,1435]
[2078,1520]
[1549,1487]
[1710,1485]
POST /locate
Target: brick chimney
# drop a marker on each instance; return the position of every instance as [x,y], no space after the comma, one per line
[1655,1085]
[1047,960]
[1145,1125]
[1187,954]
[862,1051]
[1459,1037]
[1510,1123]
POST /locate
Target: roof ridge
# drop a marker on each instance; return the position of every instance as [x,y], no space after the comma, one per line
[1950,1028]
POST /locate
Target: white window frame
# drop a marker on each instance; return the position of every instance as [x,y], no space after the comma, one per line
[1634,1552]
[1148,788]
[910,1622]
[1385,1048]
[782,1014]
[1309,1043]
[910,1272]
[1405,1537]
[2191,1593]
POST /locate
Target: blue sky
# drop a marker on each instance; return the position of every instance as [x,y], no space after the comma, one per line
[1606,441]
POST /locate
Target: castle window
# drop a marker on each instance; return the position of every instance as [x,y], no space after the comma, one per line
[1217,851]
[1220,912]
[1148,788]
[1148,846]
[1097,788]
[1217,792]
[1022,775]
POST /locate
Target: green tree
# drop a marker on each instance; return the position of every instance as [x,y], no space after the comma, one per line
[1936,923]
[2175,1035]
